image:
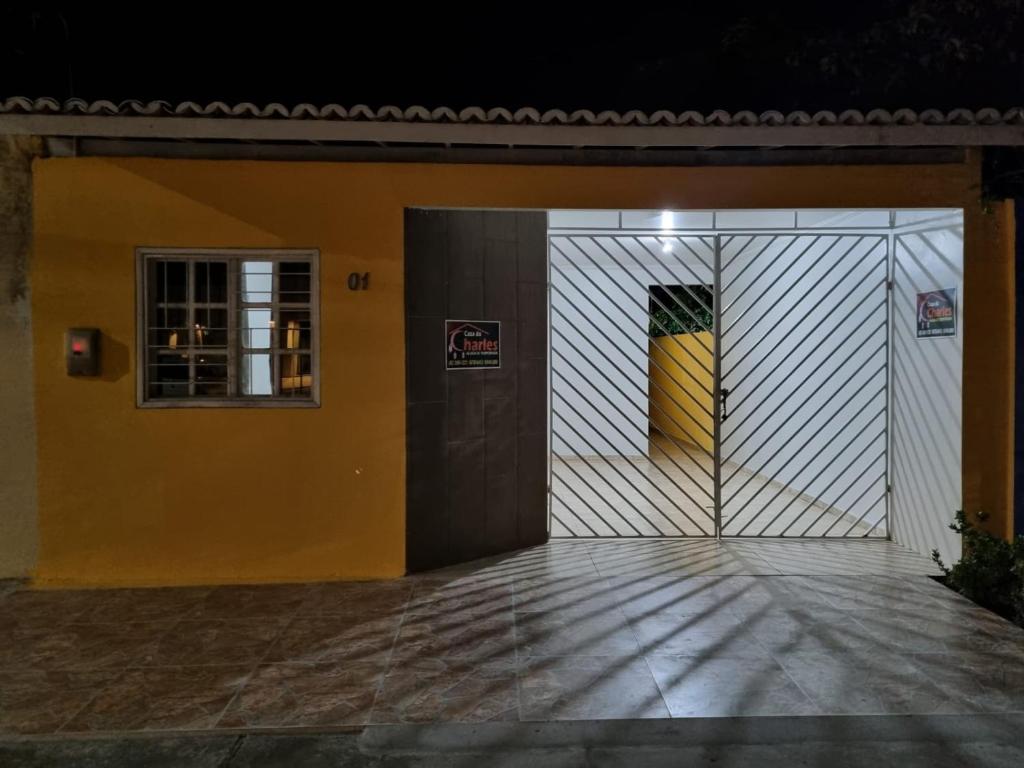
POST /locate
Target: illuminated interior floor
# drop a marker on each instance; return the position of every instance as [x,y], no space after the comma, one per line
[670,492]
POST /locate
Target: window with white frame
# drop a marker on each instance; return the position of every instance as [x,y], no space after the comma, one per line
[228,327]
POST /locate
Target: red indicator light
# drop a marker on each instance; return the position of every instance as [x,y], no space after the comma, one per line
[78,347]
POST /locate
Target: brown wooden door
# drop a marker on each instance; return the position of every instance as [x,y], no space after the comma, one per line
[476,440]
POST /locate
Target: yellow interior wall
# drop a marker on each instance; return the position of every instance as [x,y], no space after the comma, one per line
[178,496]
[681,385]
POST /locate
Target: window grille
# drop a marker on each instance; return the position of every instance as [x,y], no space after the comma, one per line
[228,327]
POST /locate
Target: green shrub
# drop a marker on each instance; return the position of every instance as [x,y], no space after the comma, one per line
[991,570]
[697,299]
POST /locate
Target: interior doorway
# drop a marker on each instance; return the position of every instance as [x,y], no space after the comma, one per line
[755,373]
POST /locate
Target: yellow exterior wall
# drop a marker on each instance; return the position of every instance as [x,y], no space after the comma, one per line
[989,360]
[681,382]
[178,496]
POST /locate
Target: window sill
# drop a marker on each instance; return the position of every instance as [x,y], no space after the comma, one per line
[233,403]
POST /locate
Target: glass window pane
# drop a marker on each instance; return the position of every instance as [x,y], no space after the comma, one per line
[218,282]
[293,282]
[211,389]
[256,377]
[169,328]
[296,375]
[294,330]
[175,317]
[257,281]
[294,289]
[171,282]
[201,285]
[217,327]
[209,327]
[168,375]
[211,282]
[256,328]
[171,366]
[298,283]
[171,338]
[211,375]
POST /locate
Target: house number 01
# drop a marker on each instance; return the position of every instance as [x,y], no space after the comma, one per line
[359,282]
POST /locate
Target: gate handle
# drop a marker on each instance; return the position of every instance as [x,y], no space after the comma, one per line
[725,404]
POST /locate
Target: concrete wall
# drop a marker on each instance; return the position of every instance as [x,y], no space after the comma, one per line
[18,523]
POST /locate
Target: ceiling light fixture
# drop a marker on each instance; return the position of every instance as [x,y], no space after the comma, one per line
[666,225]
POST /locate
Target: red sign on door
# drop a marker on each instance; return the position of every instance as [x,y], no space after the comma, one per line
[936,313]
[472,344]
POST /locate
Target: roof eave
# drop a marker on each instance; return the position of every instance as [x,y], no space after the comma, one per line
[510,135]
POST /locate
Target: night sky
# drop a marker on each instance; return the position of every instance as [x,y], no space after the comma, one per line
[758,56]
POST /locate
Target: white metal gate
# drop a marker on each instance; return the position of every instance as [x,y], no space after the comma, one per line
[727,384]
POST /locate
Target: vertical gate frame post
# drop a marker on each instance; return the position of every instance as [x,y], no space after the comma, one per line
[890,277]
[716,378]
[549,391]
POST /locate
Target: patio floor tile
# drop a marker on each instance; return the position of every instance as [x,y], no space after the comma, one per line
[41,701]
[161,699]
[217,641]
[872,682]
[279,695]
[559,633]
[362,639]
[569,630]
[730,687]
[588,688]
[436,690]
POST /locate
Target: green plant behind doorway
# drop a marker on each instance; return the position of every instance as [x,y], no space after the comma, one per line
[668,316]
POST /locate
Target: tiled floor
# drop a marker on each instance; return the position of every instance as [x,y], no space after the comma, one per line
[571,630]
[670,493]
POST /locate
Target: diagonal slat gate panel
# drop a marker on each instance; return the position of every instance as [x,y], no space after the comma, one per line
[631,401]
[731,384]
[804,374]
